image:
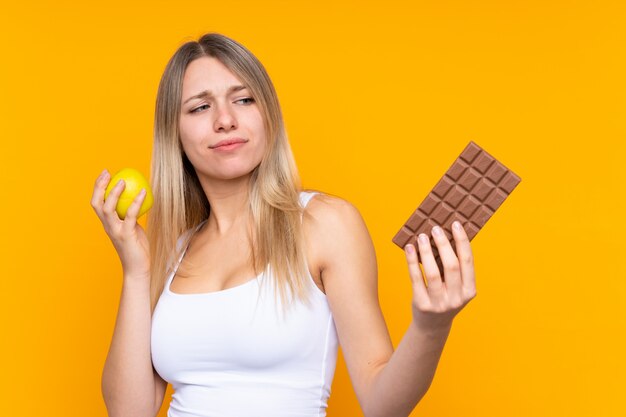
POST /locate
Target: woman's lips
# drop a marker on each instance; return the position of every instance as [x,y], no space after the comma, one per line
[228,144]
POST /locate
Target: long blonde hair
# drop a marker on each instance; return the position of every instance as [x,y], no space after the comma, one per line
[180,204]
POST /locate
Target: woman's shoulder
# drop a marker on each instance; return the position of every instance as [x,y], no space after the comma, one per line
[334,231]
[327,207]
[332,220]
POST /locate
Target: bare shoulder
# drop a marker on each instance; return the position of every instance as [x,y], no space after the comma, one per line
[328,208]
[333,226]
[332,216]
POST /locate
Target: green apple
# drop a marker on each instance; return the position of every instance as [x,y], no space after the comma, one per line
[134,183]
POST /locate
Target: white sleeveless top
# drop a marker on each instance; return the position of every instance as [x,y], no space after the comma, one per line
[236,353]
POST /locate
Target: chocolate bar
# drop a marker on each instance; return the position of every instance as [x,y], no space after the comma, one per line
[470,191]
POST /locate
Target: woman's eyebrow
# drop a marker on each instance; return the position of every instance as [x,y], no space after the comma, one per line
[207,93]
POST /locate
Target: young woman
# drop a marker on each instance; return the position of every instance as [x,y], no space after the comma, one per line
[245,285]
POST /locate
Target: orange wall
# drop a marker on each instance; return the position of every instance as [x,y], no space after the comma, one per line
[379,98]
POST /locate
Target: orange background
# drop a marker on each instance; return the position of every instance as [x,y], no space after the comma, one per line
[379,98]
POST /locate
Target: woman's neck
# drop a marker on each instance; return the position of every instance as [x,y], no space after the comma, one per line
[229,201]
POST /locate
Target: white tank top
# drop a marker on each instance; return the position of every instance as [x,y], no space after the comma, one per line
[236,353]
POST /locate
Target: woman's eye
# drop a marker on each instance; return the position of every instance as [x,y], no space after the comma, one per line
[204,106]
[250,100]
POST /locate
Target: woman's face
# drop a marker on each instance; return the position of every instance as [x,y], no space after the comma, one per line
[221,127]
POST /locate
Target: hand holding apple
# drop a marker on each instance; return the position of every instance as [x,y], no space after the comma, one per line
[134,182]
[118,214]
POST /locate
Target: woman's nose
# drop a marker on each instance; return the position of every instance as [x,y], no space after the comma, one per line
[225,119]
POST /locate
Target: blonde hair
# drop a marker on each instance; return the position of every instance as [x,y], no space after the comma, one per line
[180,204]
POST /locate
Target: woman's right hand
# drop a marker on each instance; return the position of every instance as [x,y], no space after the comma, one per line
[128,237]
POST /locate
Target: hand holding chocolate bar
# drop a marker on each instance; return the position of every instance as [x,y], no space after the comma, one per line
[454,211]
[435,306]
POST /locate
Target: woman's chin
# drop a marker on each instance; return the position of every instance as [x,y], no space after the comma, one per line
[231,175]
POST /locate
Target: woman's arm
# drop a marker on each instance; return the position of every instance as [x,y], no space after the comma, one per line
[387,383]
[129,384]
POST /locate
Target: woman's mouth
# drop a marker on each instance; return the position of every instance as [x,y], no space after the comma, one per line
[228,144]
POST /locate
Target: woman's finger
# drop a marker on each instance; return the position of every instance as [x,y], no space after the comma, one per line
[419,287]
[451,268]
[431,270]
[97,198]
[111,201]
[133,210]
[466,259]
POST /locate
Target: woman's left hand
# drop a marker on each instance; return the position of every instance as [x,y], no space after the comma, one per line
[436,303]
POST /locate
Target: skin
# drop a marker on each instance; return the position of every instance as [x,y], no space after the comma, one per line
[339,251]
